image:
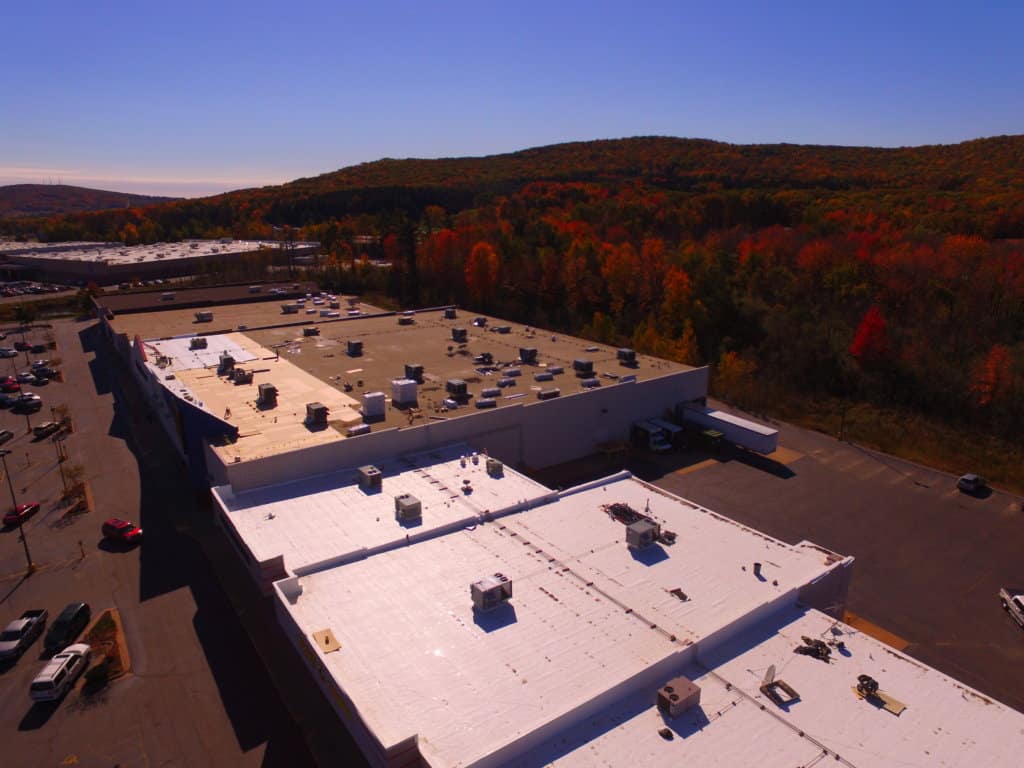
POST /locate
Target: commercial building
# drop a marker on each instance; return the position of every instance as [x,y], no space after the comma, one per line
[456,612]
[111,263]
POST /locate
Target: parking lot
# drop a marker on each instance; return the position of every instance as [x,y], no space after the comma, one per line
[929,559]
[198,693]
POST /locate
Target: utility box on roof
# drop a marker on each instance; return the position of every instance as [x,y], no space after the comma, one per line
[374,405]
[460,334]
[311,331]
[204,316]
[403,391]
[199,342]
[528,354]
[408,508]
[414,371]
[226,364]
[449,313]
[626,356]
[370,478]
[355,348]
[241,376]
[456,388]
[490,592]
[495,467]
[677,696]
[642,533]
[583,367]
[316,414]
[266,396]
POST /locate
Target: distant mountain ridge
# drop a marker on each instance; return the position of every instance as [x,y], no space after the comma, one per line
[52,199]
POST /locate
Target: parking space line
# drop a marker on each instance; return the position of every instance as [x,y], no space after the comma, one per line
[695,467]
[784,455]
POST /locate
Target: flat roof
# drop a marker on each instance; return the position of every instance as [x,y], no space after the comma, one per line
[330,517]
[117,253]
[588,615]
[164,320]
[389,346]
[944,723]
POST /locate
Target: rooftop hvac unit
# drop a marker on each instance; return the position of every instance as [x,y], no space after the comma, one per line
[403,391]
[449,313]
[357,430]
[626,356]
[407,508]
[334,304]
[545,376]
[495,468]
[510,372]
[355,348]
[370,478]
[554,370]
[316,414]
[479,322]
[456,388]
[199,342]
[290,309]
[167,297]
[450,404]
[642,533]
[490,392]
[204,317]
[486,402]
[528,354]
[414,371]
[677,696]
[502,329]
[506,383]
[484,358]
[266,395]
[311,331]
[226,363]
[374,405]
[255,288]
[241,376]
[548,394]
[590,383]
[406,318]
[460,334]
[583,367]
[490,592]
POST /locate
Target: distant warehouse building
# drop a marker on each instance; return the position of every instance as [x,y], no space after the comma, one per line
[111,263]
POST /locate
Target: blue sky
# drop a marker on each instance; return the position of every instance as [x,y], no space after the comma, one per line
[190,98]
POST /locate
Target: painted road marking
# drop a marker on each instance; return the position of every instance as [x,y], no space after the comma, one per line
[695,467]
[875,631]
[785,455]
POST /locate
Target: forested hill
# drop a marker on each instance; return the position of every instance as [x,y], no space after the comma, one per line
[50,199]
[976,187]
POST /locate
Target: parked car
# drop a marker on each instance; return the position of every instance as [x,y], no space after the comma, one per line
[9,385]
[1012,599]
[66,627]
[26,377]
[19,634]
[21,513]
[37,349]
[40,363]
[122,531]
[8,352]
[971,483]
[7,400]
[5,435]
[27,402]
[44,371]
[45,429]
[60,673]
[22,346]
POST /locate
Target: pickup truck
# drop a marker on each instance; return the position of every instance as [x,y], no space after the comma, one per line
[19,634]
[1012,599]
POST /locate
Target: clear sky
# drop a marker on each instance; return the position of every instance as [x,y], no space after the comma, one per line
[188,98]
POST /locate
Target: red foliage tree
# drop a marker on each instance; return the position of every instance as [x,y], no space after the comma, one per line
[992,375]
[871,340]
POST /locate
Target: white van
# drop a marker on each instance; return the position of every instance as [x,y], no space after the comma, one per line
[60,673]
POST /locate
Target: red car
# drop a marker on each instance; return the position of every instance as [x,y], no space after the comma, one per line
[122,530]
[21,513]
[9,385]
[22,346]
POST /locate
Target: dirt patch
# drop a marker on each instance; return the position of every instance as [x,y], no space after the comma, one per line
[110,651]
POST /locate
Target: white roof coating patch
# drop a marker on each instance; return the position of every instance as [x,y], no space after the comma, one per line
[182,357]
[945,723]
[587,615]
[330,517]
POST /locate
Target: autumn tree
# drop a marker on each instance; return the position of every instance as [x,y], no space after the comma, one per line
[482,273]
[871,340]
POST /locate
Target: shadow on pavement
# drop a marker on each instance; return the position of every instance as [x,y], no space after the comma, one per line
[169,560]
[37,716]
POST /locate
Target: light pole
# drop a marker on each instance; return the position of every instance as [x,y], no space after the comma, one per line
[14,508]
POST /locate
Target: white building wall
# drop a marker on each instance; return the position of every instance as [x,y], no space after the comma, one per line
[533,434]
